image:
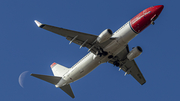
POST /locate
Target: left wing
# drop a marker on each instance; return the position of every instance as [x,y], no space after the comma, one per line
[82,39]
[89,41]
[129,67]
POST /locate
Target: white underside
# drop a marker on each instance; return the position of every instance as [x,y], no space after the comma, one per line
[123,35]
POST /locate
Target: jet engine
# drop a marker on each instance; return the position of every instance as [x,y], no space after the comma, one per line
[104,36]
[135,52]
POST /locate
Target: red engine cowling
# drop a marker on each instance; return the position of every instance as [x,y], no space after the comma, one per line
[135,52]
[104,36]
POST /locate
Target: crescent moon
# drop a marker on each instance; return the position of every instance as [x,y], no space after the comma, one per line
[21,78]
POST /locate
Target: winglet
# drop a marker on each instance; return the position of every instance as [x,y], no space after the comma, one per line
[38,23]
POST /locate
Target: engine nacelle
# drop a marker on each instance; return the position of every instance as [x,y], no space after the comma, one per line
[104,36]
[135,52]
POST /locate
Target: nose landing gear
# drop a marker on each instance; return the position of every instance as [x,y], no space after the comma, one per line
[152,22]
[153,19]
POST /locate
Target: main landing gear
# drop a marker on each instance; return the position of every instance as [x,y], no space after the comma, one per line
[101,52]
[116,63]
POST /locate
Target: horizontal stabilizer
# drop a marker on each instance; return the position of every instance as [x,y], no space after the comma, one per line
[54,80]
[51,79]
[68,90]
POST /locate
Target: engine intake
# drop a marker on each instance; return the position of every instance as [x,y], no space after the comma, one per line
[135,52]
[104,36]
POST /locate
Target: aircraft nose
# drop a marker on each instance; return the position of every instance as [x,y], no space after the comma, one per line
[158,9]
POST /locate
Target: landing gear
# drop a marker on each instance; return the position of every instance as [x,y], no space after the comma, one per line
[110,56]
[101,52]
[116,63]
[152,22]
[105,53]
[153,19]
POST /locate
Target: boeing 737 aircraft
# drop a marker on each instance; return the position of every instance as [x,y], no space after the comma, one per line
[107,47]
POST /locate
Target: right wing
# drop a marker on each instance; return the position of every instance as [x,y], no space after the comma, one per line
[135,72]
[82,39]
[129,67]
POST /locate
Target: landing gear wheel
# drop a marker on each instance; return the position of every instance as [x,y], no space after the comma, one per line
[116,64]
[110,56]
[101,52]
[152,22]
[105,53]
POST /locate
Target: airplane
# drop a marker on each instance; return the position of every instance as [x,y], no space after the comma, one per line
[107,47]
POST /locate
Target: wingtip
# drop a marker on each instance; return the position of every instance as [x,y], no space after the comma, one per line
[31,74]
[143,83]
[38,24]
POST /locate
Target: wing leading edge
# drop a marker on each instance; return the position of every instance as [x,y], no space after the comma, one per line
[82,39]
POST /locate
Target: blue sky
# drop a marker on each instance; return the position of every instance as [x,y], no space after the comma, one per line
[25,47]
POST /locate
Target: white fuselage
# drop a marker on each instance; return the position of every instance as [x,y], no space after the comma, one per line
[122,36]
[107,45]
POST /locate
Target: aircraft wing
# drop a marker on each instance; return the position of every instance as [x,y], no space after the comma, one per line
[129,67]
[82,39]
[89,41]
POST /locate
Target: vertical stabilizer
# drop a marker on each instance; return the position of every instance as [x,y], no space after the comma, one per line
[58,70]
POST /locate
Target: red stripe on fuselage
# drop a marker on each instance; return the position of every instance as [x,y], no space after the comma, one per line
[143,19]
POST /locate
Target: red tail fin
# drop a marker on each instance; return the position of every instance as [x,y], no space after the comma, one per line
[52,65]
[58,70]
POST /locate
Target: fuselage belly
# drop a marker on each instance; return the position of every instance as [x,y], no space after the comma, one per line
[107,47]
[91,61]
